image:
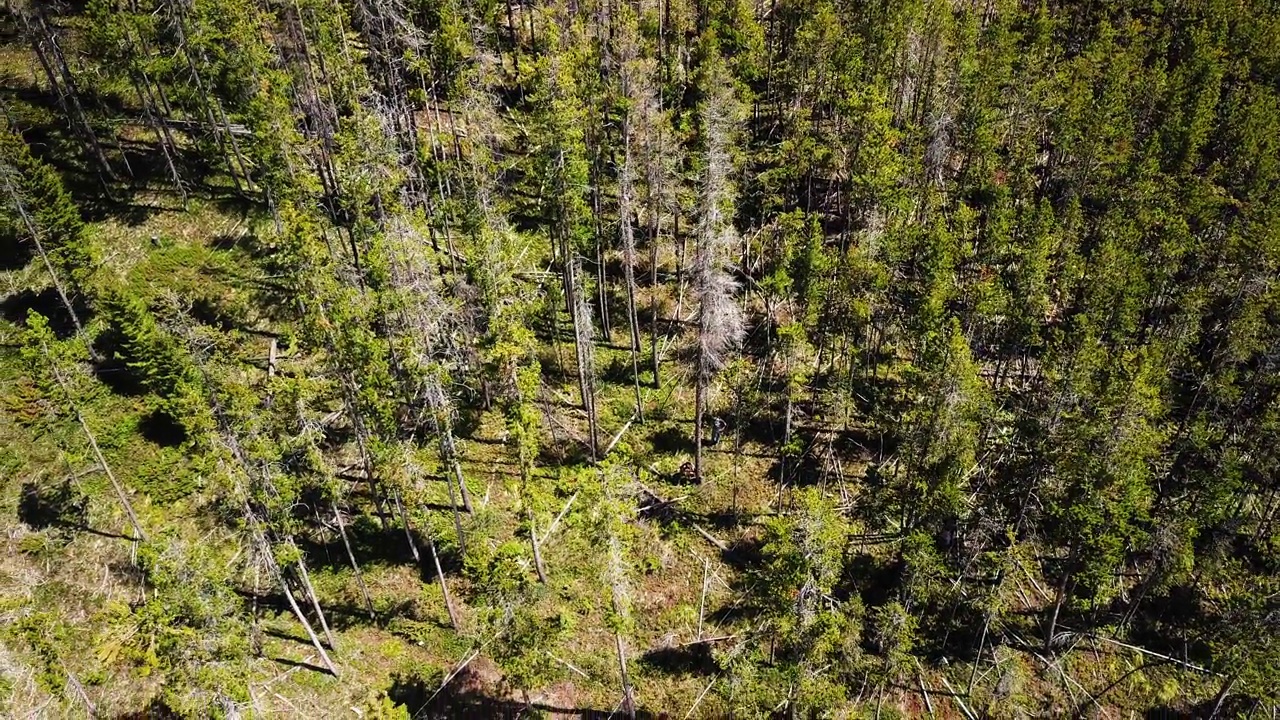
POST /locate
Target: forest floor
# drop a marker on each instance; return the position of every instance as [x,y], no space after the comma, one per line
[697,539]
[700,539]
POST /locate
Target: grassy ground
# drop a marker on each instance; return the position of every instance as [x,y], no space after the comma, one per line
[68,578]
[59,585]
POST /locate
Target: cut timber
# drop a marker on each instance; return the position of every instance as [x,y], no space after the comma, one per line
[617,437]
[570,666]
[461,666]
[702,600]
[959,703]
[556,523]
[708,640]
[711,538]
[928,702]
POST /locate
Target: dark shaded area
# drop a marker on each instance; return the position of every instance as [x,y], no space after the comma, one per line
[15,307]
[140,166]
[671,439]
[300,665]
[566,451]
[14,252]
[157,709]
[618,370]
[872,579]
[1154,621]
[460,700]
[339,616]
[160,428]
[694,659]
[1164,712]
[62,506]
[118,376]
[372,544]
[950,633]
[1233,706]
[557,363]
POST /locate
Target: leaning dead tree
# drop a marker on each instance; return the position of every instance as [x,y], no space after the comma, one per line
[422,322]
[721,324]
[248,476]
[627,234]
[211,107]
[39,32]
[64,398]
[19,204]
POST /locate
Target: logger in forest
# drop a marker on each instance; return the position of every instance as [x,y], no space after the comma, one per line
[717,429]
[687,474]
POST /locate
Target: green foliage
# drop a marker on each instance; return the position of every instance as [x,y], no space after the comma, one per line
[380,707]
[522,635]
[34,194]
[1008,270]
[157,359]
[190,629]
[48,638]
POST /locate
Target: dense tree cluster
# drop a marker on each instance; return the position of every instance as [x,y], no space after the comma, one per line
[993,286]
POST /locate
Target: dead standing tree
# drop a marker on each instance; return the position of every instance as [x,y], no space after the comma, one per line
[34,23]
[657,158]
[720,318]
[50,366]
[626,208]
[248,475]
[583,344]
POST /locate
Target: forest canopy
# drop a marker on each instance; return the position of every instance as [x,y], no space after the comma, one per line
[666,358]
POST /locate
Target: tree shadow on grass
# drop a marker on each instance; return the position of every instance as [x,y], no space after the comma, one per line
[340,616]
[15,307]
[424,700]
[370,543]
[671,440]
[62,507]
[300,665]
[566,452]
[15,253]
[694,659]
[41,508]
[160,428]
[157,709]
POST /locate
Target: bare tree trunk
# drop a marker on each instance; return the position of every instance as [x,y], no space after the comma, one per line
[97,452]
[408,530]
[305,579]
[355,566]
[444,586]
[206,101]
[115,484]
[625,190]
[699,405]
[265,549]
[533,541]
[628,695]
[1222,697]
[653,304]
[618,600]
[254,523]
[1052,627]
[167,146]
[581,315]
[45,43]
